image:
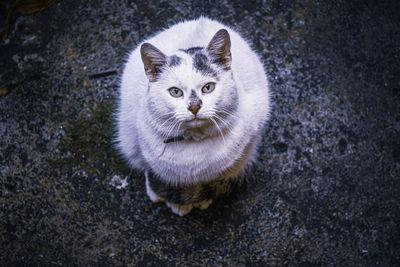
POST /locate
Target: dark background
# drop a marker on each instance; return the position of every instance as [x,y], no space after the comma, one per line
[325,191]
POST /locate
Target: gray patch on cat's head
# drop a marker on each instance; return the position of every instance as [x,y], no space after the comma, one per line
[192,50]
[174,61]
[193,94]
[194,100]
[201,62]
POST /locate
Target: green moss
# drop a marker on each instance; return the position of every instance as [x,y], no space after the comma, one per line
[88,142]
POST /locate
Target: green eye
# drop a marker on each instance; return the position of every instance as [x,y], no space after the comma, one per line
[208,88]
[175,92]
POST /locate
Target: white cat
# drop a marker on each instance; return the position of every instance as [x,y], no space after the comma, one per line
[194,100]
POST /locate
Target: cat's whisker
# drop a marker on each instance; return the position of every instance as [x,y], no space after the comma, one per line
[216,115]
[228,113]
[169,130]
[219,129]
[162,117]
[212,114]
[177,132]
[229,125]
[165,122]
[174,130]
[216,111]
[167,113]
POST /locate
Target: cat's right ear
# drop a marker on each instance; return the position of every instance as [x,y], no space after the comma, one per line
[220,49]
[153,60]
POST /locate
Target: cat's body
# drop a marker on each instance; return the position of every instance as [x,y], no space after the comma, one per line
[193,104]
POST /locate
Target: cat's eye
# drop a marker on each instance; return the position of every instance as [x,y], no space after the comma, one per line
[208,88]
[175,92]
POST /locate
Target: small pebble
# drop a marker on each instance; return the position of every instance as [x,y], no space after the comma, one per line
[3,91]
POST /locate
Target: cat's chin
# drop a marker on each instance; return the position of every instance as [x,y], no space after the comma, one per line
[196,123]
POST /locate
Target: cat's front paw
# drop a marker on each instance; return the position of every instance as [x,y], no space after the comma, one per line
[180,210]
[203,205]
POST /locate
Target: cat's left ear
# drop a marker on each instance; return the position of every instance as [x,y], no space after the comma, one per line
[153,60]
[220,49]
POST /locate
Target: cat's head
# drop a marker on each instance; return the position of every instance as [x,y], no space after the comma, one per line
[194,87]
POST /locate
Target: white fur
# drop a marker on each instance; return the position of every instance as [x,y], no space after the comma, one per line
[180,210]
[150,193]
[204,155]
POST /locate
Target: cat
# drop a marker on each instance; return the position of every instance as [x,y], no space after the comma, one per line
[193,104]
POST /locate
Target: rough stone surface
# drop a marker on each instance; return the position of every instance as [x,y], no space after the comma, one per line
[325,191]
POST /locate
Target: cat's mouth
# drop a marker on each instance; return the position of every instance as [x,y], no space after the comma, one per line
[196,122]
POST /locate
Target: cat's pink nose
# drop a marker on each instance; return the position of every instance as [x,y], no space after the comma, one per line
[194,109]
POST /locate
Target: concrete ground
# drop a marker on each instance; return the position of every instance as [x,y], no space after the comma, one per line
[325,191]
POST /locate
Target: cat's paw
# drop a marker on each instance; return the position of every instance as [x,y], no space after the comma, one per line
[180,210]
[203,205]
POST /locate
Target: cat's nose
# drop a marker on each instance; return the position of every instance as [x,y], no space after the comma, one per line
[194,109]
